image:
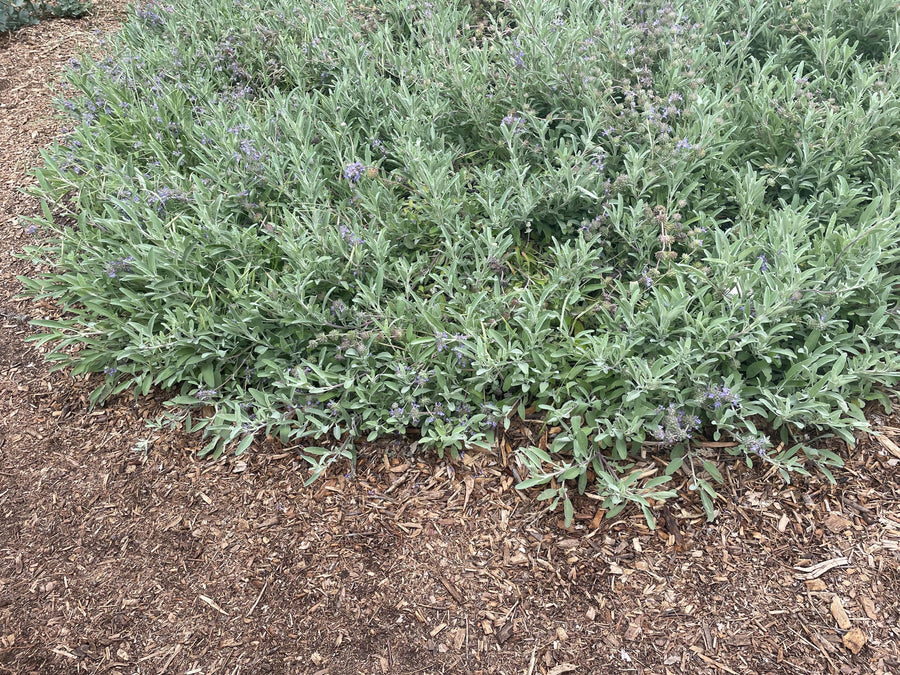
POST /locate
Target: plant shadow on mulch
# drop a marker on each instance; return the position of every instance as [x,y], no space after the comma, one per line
[121,552]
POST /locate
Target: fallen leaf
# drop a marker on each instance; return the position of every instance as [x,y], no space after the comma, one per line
[854,640]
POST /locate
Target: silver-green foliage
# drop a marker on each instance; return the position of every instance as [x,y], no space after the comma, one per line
[646,223]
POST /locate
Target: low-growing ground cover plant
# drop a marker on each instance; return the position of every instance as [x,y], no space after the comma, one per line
[648,224]
[17,13]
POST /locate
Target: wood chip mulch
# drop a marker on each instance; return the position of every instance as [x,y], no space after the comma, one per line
[121,552]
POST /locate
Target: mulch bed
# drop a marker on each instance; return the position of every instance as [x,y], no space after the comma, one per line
[121,552]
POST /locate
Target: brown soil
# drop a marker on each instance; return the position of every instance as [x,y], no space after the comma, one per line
[121,552]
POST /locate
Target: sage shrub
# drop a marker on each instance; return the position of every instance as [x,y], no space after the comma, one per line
[641,224]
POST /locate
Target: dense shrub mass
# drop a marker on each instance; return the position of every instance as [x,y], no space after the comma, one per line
[649,224]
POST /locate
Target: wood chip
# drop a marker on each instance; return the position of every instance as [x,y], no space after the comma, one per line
[739,641]
[783,523]
[817,570]
[672,526]
[518,559]
[854,640]
[505,632]
[815,585]
[452,590]
[839,613]
[868,606]
[469,482]
[837,523]
[633,630]
[258,598]
[889,445]
[716,664]
[562,668]
[212,603]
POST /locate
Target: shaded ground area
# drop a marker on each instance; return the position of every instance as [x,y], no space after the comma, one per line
[120,552]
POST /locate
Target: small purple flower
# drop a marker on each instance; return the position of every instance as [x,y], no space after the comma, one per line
[116,267]
[440,341]
[249,151]
[491,416]
[514,122]
[764,263]
[719,396]
[756,445]
[460,339]
[354,171]
[518,56]
[159,199]
[149,15]
[676,426]
[348,236]
[338,308]
[683,144]
[670,110]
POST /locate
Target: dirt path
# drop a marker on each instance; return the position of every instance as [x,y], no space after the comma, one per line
[122,553]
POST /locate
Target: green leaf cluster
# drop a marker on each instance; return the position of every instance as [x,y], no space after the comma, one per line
[17,13]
